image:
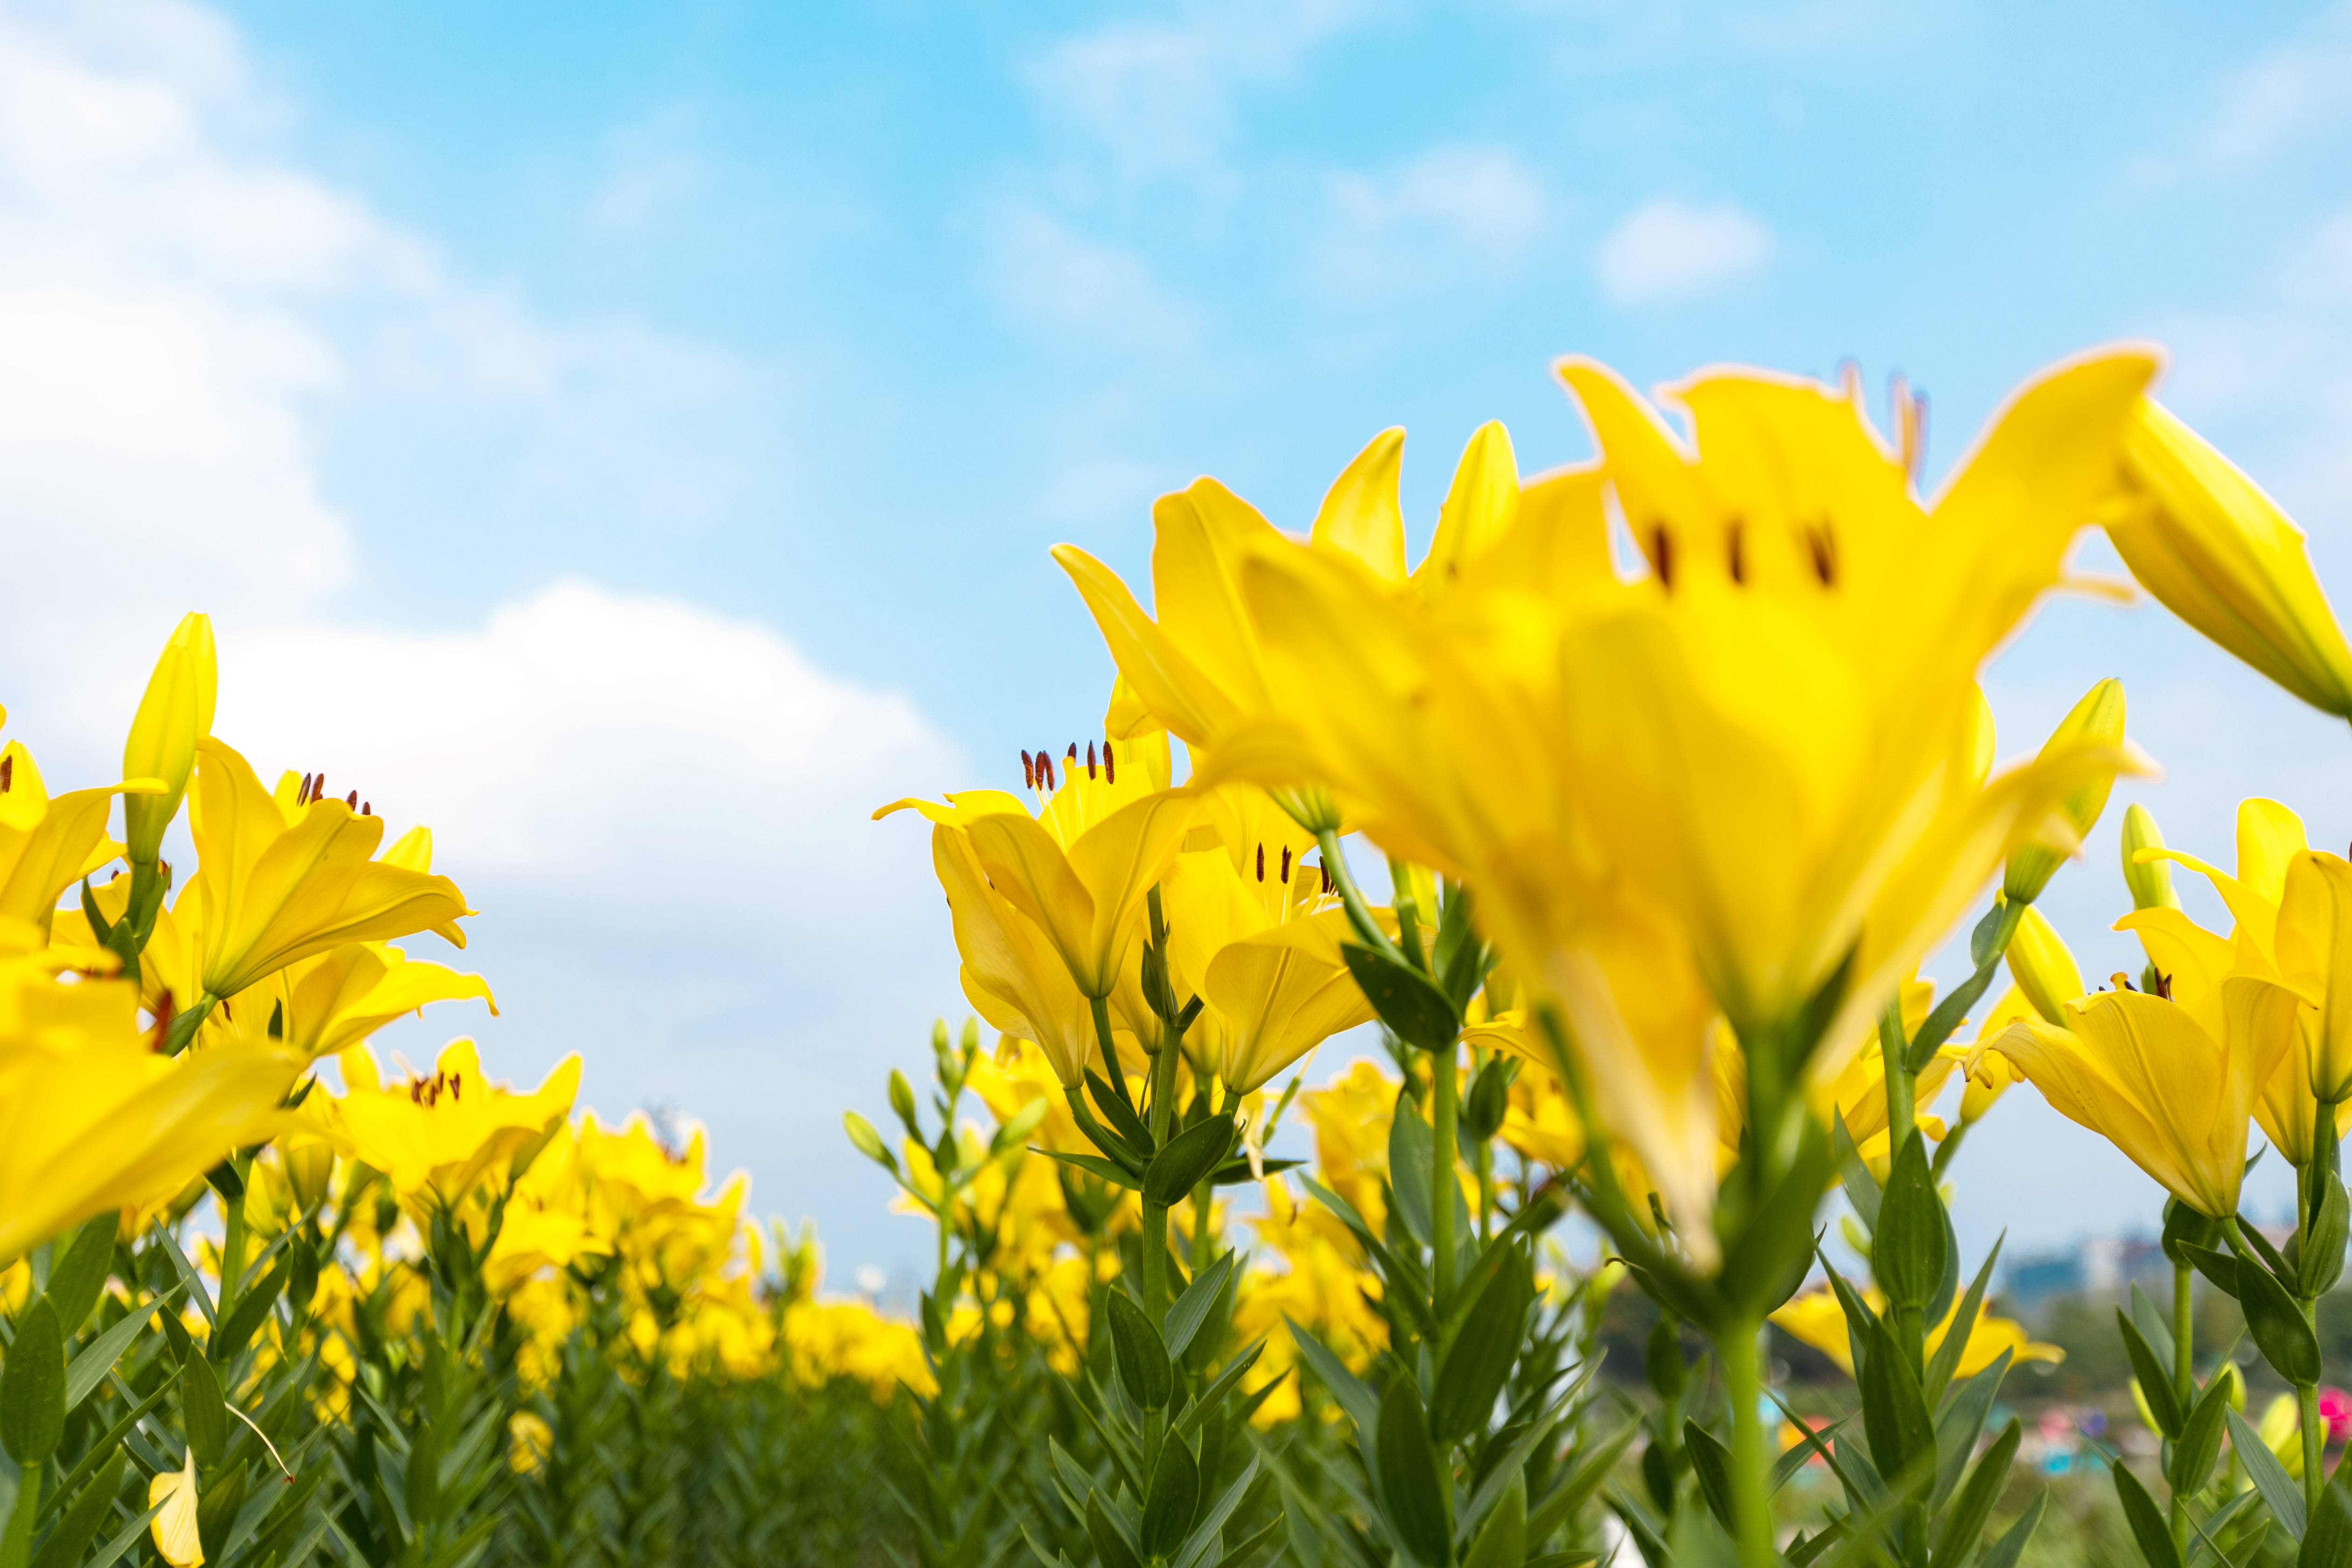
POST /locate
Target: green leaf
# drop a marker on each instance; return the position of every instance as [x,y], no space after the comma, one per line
[1110,1542]
[1769,1260]
[1711,1463]
[2279,1489]
[1966,1521]
[2322,1263]
[2151,1325]
[33,1388]
[2004,1553]
[2329,1542]
[1947,1358]
[1503,1539]
[1478,1362]
[1168,1507]
[202,1410]
[1862,1189]
[90,1509]
[1895,1419]
[1189,1156]
[1961,1423]
[1142,1357]
[78,1278]
[1415,1010]
[2220,1267]
[1191,1308]
[1093,1166]
[1412,1156]
[2154,1380]
[2201,1439]
[1355,1397]
[1416,1496]
[251,1310]
[1909,1244]
[2276,1324]
[1122,1115]
[2148,1528]
[90,1364]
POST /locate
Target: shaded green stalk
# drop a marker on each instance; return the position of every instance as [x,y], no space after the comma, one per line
[1366,928]
[2306,1395]
[2184,1381]
[1751,1498]
[1442,1187]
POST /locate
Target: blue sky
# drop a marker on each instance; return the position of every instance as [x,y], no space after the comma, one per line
[629,439]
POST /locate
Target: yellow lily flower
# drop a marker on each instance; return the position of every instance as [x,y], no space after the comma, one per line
[283,877]
[91,1119]
[1254,932]
[48,843]
[2193,963]
[174,1528]
[325,1004]
[176,710]
[1081,867]
[1714,788]
[2218,552]
[2284,901]
[1199,669]
[1011,973]
[1989,1074]
[1816,1319]
[1855,1090]
[434,1138]
[2159,1083]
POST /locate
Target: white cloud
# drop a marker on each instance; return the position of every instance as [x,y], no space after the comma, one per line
[1080,291]
[2261,109]
[1156,97]
[1667,251]
[661,809]
[1451,213]
[582,739]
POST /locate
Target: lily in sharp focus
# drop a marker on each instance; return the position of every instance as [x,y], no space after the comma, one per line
[2171,1087]
[434,1138]
[1254,931]
[286,875]
[1081,866]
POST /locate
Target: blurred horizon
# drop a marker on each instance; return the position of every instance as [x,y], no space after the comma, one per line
[628,438]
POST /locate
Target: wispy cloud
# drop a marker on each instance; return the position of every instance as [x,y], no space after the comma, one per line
[1667,251]
[2261,109]
[1454,213]
[1156,97]
[1080,292]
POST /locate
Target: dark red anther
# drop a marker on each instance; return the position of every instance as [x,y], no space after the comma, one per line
[1028,771]
[1285,863]
[354,802]
[1073,752]
[302,795]
[319,787]
[1046,766]
[1738,555]
[1327,877]
[1662,555]
[1090,759]
[1108,775]
[1261,862]
[455,1078]
[7,771]
[367,808]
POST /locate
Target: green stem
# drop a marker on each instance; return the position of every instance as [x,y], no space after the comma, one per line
[2184,1381]
[1351,897]
[1201,1228]
[1901,1100]
[1442,1186]
[1751,1500]
[1155,1215]
[1408,911]
[2314,1443]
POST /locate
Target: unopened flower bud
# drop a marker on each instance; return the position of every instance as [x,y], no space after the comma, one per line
[176,712]
[2097,720]
[2043,968]
[2150,880]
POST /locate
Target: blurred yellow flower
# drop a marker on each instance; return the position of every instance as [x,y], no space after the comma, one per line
[175,1528]
[436,1137]
[1816,1319]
